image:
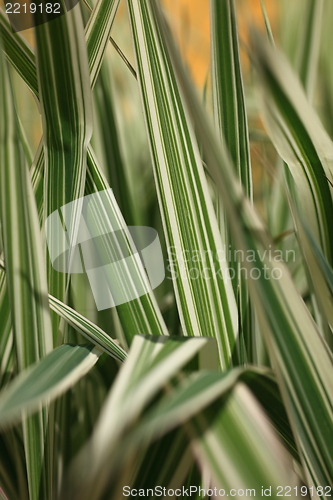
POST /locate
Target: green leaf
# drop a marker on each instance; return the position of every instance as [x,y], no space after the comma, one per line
[152,362]
[200,390]
[65,99]
[91,331]
[179,410]
[26,278]
[45,381]
[206,305]
[110,144]
[6,334]
[231,121]
[239,448]
[300,140]
[18,53]
[98,32]
[309,46]
[319,270]
[83,325]
[138,316]
[300,357]
[166,462]
[228,92]
[266,21]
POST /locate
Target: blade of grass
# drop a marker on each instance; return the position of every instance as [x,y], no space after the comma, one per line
[6,334]
[200,390]
[115,167]
[231,121]
[188,402]
[228,92]
[309,46]
[138,316]
[300,140]
[26,281]
[305,377]
[115,45]
[65,98]
[319,272]
[308,57]
[18,53]
[84,326]
[98,32]
[240,449]
[207,307]
[267,23]
[45,381]
[306,190]
[152,362]
[166,462]
[91,331]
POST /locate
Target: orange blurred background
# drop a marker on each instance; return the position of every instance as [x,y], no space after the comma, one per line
[190,22]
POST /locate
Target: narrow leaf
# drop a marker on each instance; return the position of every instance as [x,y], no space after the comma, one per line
[206,305]
[305,377]
[45,381]
[26,280]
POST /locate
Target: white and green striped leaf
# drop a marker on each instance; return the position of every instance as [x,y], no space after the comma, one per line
[152,363]
[300,357]
[206,306]
[309,46]
[319,271]
[300,140]
[26,280]
[6,334]
[18,53]
[83,325]
[98,32]
[200,390]
[231,122]
[45,381]
[138,316]
[228,92]
[239,448]
[65,98]
[91,331]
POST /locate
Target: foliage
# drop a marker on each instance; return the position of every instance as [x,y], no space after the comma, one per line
[222,376]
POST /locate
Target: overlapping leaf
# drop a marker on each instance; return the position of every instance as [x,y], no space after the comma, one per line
[141,315]
[206,304]
[300,140]
[151,364]
[305,376]
[65,99]
[231,120]
[46,380]
[24,258]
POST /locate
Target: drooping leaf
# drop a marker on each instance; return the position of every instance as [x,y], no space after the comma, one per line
[45,380]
